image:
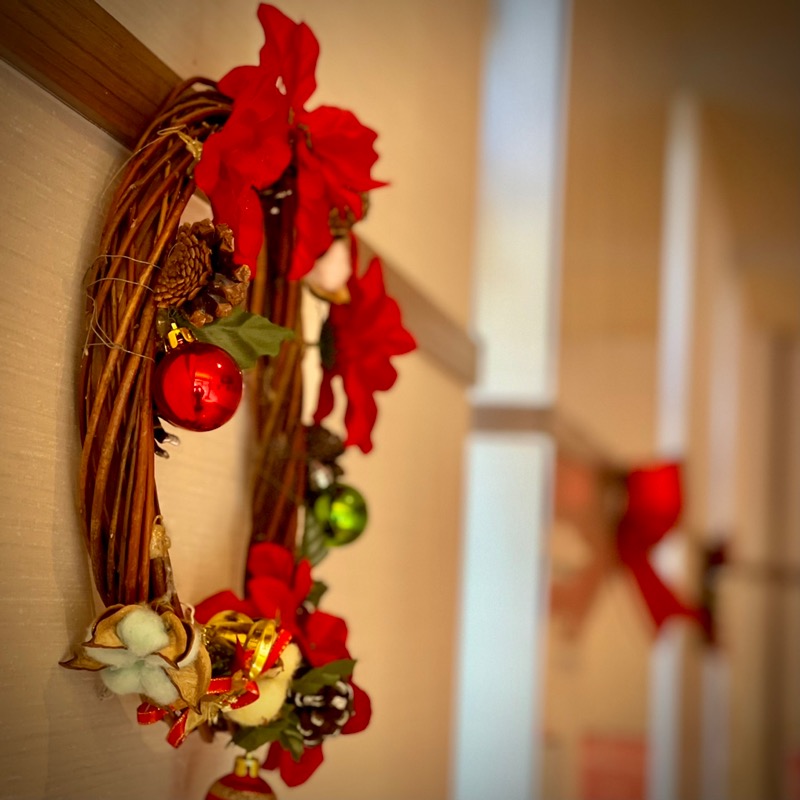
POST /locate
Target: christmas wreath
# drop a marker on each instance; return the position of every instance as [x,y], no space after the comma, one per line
[177,309]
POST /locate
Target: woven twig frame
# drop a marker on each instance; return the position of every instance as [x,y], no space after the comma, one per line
[117,494]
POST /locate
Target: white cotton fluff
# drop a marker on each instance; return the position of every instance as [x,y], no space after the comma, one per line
[143,632]
[141,677]
[156,685]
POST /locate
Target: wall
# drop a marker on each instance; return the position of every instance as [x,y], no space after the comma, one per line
[410,71]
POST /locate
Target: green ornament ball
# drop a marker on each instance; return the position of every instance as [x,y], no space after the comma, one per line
[342,514]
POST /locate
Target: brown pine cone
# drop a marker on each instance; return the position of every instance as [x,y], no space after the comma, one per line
[322,449]
[187,268]
[200,277]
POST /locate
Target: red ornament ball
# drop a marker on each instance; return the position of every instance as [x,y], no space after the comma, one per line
[244,781]
[197,386]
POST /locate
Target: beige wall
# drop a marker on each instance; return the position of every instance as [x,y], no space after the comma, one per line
[410,71]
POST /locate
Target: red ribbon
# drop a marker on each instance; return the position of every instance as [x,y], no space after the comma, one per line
[655,502]
[148,714]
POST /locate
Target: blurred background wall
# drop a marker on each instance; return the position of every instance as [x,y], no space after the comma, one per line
[723,721]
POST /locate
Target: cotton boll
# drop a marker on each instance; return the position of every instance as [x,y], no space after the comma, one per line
[272,693]
[143,632]
[156,685]
[112,656]
[139,677]
[123,680]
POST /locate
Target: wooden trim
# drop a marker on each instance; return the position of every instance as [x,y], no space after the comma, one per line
[569,436]
[438,336]
[497,418]
[80,53]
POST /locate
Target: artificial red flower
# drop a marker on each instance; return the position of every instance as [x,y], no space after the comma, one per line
[324,638]
[250,152]
[277,585]
[334,163]
[276,588]
[366,333]
[291,51]
[270,127]
[334,151]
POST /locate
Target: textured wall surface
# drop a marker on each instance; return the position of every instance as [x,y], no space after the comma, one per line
[409,70]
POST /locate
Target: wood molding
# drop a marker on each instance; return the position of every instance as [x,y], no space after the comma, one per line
[80,53]
[83,55]
[438,335]
[569,437]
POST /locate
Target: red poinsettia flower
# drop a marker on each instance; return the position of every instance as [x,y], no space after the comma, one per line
[325,639]
[332,150]
[276,588]
[250,152]
[366,333]
[334,162]
[291,51]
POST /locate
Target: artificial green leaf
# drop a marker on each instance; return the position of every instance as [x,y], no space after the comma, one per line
[292,741]
[245,336]
[326,675]
[252,738]
[313,546]
[318,589]
[291,732]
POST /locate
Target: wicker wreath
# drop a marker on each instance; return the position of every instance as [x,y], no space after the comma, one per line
[117,491]
[270,667]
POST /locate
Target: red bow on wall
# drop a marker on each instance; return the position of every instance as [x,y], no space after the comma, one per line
[653,506]
[655,502]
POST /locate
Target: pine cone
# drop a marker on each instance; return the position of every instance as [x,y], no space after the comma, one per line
[325,713]
[322,448]
[322,444]
[188,266]
[200,276]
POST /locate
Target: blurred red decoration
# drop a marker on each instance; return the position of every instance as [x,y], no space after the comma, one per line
[653,501]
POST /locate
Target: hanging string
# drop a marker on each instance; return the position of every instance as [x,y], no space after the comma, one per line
[194,147]
[94,323]
[102,197]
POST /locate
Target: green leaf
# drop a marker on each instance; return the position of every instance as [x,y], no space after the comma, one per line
[318,589]
[245,336]
[253,738]
[313,546]
[292,741]
[326,675]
